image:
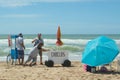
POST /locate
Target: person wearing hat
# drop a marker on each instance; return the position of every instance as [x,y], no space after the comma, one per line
[36,41]
[20,48]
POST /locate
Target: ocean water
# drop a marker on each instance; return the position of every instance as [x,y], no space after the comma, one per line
[74,44]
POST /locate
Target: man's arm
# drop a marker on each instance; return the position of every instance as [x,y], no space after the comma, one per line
[45,49]
[34,40]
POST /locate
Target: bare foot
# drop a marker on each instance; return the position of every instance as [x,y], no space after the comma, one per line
[41,63]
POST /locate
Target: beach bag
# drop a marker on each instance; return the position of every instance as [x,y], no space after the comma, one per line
[93,69]
[89,68]
[85,67]
[103,69]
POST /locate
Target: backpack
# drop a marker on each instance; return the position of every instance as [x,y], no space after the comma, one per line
[103,69]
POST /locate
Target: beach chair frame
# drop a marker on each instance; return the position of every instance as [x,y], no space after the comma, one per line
[13,55]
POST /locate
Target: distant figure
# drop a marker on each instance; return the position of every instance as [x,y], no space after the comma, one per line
[20,48]
[36,41]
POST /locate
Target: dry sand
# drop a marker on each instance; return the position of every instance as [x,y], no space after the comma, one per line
[41,72]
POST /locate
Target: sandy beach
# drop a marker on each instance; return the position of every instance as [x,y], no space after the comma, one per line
[41,72]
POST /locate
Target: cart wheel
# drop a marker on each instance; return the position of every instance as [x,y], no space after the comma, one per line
[9,60]
[67,63]
[46,63]
[50,63]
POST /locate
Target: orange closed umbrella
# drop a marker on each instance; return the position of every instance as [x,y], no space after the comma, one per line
[58,32]
[59,42]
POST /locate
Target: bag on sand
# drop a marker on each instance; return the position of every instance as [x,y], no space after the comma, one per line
[103,69]
[89,68]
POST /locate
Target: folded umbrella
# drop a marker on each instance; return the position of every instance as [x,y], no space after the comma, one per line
[59,42]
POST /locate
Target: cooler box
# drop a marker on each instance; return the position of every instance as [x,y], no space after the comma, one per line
[58,56]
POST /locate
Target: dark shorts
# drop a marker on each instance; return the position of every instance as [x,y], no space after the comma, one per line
[20,53]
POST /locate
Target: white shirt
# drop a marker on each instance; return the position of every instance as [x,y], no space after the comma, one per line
[19,41]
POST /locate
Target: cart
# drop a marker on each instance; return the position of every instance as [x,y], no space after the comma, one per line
[58,57]
[12,56]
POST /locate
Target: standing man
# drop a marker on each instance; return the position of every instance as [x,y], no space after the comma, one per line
[36,41]
[20,48]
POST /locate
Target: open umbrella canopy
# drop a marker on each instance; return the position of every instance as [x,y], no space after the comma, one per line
[59,42]
[100,51]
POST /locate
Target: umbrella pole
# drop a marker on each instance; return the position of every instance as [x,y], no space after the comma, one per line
[58,48]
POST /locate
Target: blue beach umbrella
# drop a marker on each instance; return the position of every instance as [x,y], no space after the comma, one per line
[100,51]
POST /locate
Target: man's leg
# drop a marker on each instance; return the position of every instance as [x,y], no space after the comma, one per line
[40,53]
[19,60]
[18,56]
[22,60]
[22,56]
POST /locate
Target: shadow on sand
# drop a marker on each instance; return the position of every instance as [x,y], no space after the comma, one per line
[107,72]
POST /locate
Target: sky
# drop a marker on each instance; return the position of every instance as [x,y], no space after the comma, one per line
[73,16]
